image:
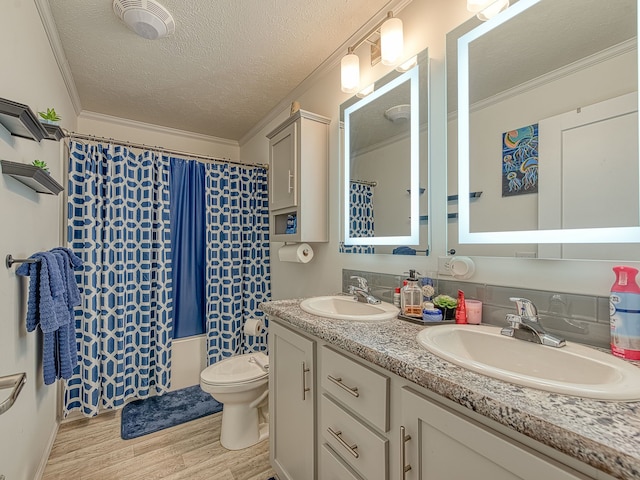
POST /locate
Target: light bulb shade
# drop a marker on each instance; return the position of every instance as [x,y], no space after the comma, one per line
[350,73]
[391,41]
[492,10]
[477,5]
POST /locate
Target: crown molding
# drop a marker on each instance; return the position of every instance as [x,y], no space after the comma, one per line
[326,66]
[125,122]
[46,17]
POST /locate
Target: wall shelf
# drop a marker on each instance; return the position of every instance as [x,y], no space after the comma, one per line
[33,177]
[425,218]
[452,198]
[20,120]
[54,132]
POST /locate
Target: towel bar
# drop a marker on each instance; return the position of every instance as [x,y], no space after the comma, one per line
[9,261]
[16,382]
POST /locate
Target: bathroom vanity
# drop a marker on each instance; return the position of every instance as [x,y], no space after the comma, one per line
[364,401]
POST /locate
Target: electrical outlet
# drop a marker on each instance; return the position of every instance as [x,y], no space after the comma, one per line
[444,266]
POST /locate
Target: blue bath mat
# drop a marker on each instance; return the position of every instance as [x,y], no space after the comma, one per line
[141,417]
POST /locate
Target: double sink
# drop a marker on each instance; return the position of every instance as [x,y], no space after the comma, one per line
[572,370]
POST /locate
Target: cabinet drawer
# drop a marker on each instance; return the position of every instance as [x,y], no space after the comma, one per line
[360,447]
[363,390]
[333,468]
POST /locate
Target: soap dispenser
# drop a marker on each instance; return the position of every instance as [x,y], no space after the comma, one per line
[411,296]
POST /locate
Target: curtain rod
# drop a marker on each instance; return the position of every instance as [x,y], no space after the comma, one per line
[365,182]
[94,138]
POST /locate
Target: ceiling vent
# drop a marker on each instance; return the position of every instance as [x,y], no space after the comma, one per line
[398,113]
[147,18]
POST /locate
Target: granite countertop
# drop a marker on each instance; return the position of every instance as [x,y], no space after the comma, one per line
[605,435]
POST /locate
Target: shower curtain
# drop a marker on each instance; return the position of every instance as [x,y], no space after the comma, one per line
[361,217]
[187,201]
[238,275]
[119,223]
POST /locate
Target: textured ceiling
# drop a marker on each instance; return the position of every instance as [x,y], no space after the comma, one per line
[227,65]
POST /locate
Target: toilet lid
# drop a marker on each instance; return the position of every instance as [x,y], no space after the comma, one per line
[236,369]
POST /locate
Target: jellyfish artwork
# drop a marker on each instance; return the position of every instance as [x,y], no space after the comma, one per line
[529,168]
[507,164]
[520,160]
[515,183]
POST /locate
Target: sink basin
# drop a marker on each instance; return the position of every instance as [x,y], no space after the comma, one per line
[343,307]
[573,370]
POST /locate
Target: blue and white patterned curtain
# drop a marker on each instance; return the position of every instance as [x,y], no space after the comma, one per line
[238,272]
[361,221]
[118,224]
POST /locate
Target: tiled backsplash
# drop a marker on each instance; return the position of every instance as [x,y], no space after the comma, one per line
[579,318]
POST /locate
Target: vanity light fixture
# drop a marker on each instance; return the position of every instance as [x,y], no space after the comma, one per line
[368,90]
[407,65]
[391,47]
[486,9]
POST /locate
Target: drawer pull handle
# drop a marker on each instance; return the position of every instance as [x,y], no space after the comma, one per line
[338,381]
[338,436]
[404,438]
[305,389]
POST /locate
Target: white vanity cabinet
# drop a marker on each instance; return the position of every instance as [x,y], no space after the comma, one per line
[441,444]
[374,425]
[292,404]
[354,415]
[298,178]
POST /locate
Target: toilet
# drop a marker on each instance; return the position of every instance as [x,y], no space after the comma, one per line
[241,383]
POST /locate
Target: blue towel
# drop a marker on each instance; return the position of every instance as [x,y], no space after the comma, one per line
[53,294]
[404,251]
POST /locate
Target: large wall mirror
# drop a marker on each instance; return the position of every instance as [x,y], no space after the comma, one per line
[384,145]
[543,131]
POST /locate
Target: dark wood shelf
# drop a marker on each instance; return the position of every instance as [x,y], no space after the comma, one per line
[452,198]
[54,132]
[20,120]
[33,177]
[425,218]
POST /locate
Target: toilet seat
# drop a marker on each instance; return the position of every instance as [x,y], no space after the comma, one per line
[237,370]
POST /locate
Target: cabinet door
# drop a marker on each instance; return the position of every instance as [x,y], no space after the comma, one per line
[292,404]
[282,156]
[443,445]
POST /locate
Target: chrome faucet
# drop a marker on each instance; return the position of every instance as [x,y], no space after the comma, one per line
[362,292]
[526,326]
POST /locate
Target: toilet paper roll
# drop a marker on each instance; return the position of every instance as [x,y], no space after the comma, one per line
[297,252]
[253,326]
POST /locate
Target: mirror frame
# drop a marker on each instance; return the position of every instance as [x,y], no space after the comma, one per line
[579,235]
[414,128]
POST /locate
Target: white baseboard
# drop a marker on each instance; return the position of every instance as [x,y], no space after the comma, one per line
[47,452]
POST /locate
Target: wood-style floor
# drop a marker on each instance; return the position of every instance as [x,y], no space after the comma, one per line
[91,449]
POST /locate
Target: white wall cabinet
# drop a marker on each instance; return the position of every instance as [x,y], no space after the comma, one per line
[298,178]
[384,427]
[292,404]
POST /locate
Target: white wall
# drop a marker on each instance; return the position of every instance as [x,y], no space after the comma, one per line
[143,133]
[30,222]
[426,23]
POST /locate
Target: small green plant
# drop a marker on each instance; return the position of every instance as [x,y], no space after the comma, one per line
[50,115]
[40,164]
[445,301]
